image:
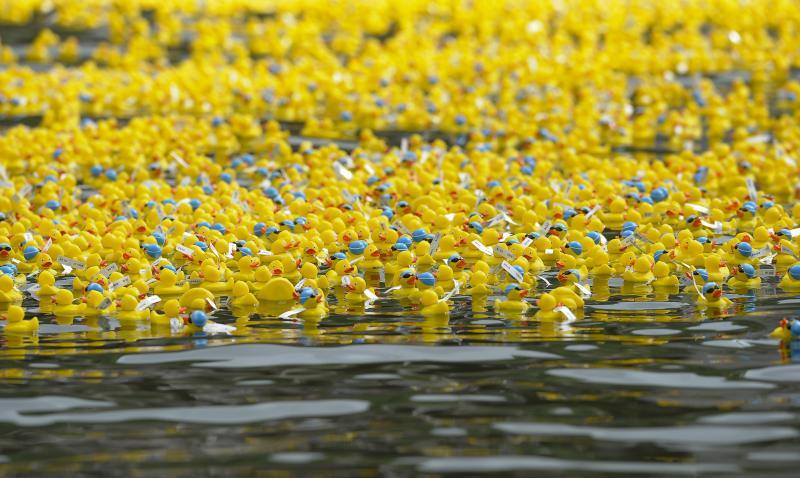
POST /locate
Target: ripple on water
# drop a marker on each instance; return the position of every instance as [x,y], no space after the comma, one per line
[295,458]
[269,355]
[781,373]
[455,397]
[717,326]
[638,305]
[747,418]
[495,464]
[14,411]
[709,435]
[621,376]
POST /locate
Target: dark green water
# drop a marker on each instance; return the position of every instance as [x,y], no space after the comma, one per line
[630,388]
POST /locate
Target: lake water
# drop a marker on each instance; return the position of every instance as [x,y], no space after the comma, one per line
[646,387]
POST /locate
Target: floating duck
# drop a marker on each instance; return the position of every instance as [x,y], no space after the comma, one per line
[641,272]
[712,296]
[786,330]
[714,270]
[97,303]
[167,284]
[791,280]
[745,276]
[663,276]
[278,289]
[513,302]
[478,285]
[128,309]
[8,291]
[547,303]
[16,325]
[64,306]
[47,284]
[313,303]
[405,285]
[241,296]
[431,305]
[172,310]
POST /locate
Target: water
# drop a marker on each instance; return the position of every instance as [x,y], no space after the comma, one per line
[646,387]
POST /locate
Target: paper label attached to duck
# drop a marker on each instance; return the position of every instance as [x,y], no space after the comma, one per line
[545,227]
[300,283]
[211,304]
[104,304]
[391,289]
[482,247]
[715,226]
[788,251]
[194,280]
[290,313]
[74,264]
[527,242]
[766,272]
[121,282]
[517,275]
[382,276]
[751,188]
[502,252]
[584,289]
[109,269]
[47,244]
[31,288]
[370,295]
[435,243]
[566,312]
[263,252]
[346,281]
[147,302]
[401,228]
[342,172]
[592,212]
[698,208]
[184,250]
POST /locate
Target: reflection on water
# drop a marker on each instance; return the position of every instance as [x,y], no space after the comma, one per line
[639,384]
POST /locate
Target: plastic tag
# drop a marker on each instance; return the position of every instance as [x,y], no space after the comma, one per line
[211,304]
[481,247]
[699,208]
[584,289]
[263,252]
[194,280]
[382,276]
[545,227]
[107,270]
[184,250]
[566,312]
[592,212]
[178,159]
[346,281]
[435,243]
[121,282]
[47,244]
[502,252]
[517,275]
[342,172]
[28,237]
[766,272]
[290,313]
[715,226]
[147,302]
[72,263]
[751,188]
[104,304]
[215,328]
[300,283]
[401,227]
[370,295]
[547,252]
[494,220]
[527,242]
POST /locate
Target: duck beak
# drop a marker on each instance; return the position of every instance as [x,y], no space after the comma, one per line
[717,293]
[412,280]
[560,264]
[376,254]
[461,264]
[523,293]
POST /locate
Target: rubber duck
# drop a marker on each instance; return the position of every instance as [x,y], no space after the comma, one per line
[744,276]
[172,310]
[261,276]
[97,303]
[547,303]
[663,276]
[568,297]
[405,285]
[786,330]
[424,261]
[167,284]
[313,302]
[431,305]
[213,280]
[15,323]
[513,302]
[712,296]
[241,295]
[478,285]
[194,295]
[791,279]
[127,309]
[278,289]
[47,284]
[355,290]
[599,263]
[64,306]
[247,266]
[715,271]
[8,291]
[641,273]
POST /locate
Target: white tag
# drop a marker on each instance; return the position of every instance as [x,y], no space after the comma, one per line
[481,247]
[751,189]
[356,260]
[584,289]
[568,314]
[767,259]
[545,227]
[214,250]
[211,303]
[33,288]
[699,208]
[289,313]
[121,282]
[215,328]
[104,304]
[435,243]
[342,172]
[231,249]
[194,280]
[502,252]
[263,252]
[547,252]
[28,237]
[527,242]
[346,281]
[382,276]
[184,250]
[300,283]
[147,302]
[175,324]
[716,226]
[788,251]
[370,295]
[107,270]
[517,275]
[72,263]
[47,244]
[494,220]
[401,227]
[67,270]
[592,212]
[544,279]
[766,272]
[178,159]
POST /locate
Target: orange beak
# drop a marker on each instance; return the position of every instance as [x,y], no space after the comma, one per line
[717,293]
[523,293]
[412,280]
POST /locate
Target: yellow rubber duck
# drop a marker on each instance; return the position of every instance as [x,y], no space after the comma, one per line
[405,285]
[641,273]
[16,325]
[278,289]
[431,305]
[663,276]
[47,284]
[64,306]
[712,297]
[744,276]
[8,291]
[547,304]
[172,310]
[791,280]
[241,296]
[127,310]
[513,302]
[167,284]
[478,285]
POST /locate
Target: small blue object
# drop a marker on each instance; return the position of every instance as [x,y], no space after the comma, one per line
[199,318]
[152,250]
[702,273]
[709,286]
[419,235]
[748,270]
[427,278]
[357,247]
[794,271]
[95,286]
[30,252]
[659,194]
[744,249]
[575,247]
